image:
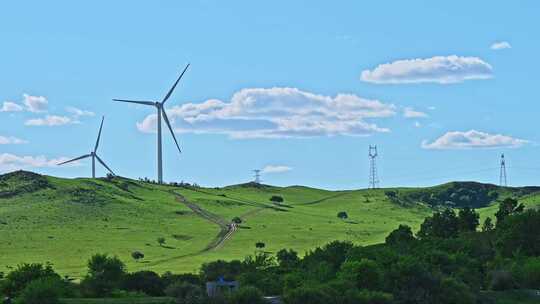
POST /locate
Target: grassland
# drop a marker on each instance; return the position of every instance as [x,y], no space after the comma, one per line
[65,221]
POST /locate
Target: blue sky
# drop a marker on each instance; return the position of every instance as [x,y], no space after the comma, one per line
[299,88]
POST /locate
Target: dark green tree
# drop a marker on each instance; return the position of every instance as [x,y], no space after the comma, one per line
[441,225]
[508,207]
[468,219]
[403,235]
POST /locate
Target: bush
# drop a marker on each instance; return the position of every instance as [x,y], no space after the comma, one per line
[185,293]
[137,255]
[400,237]
[304,295]
[104,275]
[45,290]
[501,280]
[527,273]
[18,279]
[147,282]
[366,297]
[343,215]
[260,245]
[169,278]
[276,199]
[287,258]
[364,274]
[246,295]
[237,220]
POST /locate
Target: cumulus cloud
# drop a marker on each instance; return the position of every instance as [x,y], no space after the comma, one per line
[78,112]
[277,113]
[10,140]
[276,169]
[501,45]
[11,162]
[438,69]
[473,139]
[35,103]
[409,112]
[50,120]
[9,106]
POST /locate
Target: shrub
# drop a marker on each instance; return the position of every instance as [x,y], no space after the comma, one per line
[355,296]
[147,282]
[276,199]
[104,275]
[304,295]
[364,274]
[246,295]
[287,258]
[343,215]
[137,255]
[169,278]
[527,273]
[237,220]
[45,290]
[161,241]
[401,236]
[18,279]
[260,245]
[185,293]
[501,280]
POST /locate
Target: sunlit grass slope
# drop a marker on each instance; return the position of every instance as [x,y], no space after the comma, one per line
[64,221]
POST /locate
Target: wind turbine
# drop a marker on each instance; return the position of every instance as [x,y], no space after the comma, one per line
[93,154]
[160,112]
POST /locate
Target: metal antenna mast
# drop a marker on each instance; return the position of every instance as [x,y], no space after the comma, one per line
[502,175]
[257,175]
[373,179]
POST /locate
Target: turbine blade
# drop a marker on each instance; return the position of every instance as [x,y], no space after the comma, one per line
[144,102]
[75,159]
[170,129]
[99,134]
[103,163]
[174,86]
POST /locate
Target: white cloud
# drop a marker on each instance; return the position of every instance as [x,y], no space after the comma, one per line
[35,103]
[409,112]
[501,45]
[473,139]
[9,106]
[50,120]
[438,69]
[78,112]
[277,113]
[10,140]
[11,162]
[276,169]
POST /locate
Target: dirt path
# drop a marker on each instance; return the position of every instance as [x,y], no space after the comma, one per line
[226,229]
[324,199]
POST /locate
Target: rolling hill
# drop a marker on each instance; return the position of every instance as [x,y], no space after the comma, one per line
[65,221]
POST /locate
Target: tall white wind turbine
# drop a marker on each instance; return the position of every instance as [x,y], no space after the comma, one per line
[160,112]
[93,154]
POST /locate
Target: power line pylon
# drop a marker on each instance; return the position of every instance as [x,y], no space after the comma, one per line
[502,175]
[373,178]
[257,176]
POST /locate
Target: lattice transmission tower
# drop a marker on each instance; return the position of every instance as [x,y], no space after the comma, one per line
[502,174]
[373,178]
[257,176]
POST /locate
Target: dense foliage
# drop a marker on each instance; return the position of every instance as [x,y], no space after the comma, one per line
[448,261]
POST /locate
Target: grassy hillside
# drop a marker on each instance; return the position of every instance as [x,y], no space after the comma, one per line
[64,221]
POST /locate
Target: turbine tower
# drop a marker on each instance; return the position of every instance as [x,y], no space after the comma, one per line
[160,112]
[373,179]
[502,175]
[93,154]
[257,176]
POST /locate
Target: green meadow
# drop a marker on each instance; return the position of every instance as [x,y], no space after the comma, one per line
[65,221]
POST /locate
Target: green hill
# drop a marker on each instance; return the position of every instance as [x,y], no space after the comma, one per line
[64,221]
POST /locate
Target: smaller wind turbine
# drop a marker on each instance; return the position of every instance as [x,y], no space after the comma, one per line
[93,154]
